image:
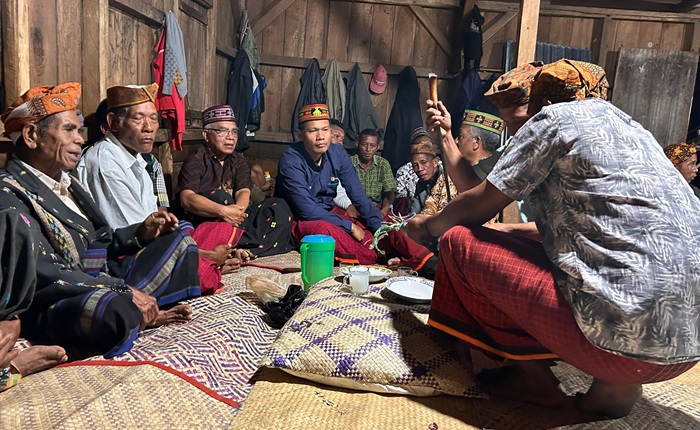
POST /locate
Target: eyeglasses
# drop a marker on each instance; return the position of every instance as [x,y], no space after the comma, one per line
[224,131]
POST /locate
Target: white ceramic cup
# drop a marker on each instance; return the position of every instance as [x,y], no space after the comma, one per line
[406,271]
[358,279]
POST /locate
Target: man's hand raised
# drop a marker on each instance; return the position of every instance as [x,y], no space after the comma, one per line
[154,225]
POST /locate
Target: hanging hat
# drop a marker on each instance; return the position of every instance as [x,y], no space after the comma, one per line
[513,87]
[218,114]
[378,82]
[129,95]
[483,120]
[567,80]
[38,103]
[313,112]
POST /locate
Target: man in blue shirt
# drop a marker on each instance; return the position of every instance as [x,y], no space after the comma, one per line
[308,175]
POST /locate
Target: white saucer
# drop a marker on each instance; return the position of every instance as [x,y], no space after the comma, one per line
[376,273]
[412,289]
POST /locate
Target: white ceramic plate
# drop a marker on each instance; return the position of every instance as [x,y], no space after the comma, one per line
[376,273]
[412,289]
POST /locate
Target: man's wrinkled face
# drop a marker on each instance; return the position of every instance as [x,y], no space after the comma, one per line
[137,131]
[221,137]
[368,146]
[316,136]
[425,166]
[337,135]
[59,146]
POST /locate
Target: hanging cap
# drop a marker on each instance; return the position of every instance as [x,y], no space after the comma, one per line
[378,82]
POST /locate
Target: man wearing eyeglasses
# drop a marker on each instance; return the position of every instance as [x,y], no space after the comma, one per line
[213,192]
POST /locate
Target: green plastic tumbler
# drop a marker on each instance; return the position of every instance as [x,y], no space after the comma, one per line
[317,257]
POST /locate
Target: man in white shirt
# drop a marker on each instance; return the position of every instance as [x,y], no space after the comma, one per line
[113,170]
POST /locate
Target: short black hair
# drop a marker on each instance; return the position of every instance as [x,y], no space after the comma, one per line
[42,126]
[337,123]
[101,113]
[368,132]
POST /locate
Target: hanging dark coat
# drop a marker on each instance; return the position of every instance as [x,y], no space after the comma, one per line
[406,115]
[359,110]
[311,92]
[240,95]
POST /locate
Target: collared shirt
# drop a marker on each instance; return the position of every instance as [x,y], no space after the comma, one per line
[203,173]
[378,180]
[155,171]
[617,224]
[309,188]
[118,181]
[60,188]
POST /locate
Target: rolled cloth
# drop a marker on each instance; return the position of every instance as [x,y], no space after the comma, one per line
[513,87]
[129,95]
[567,80]
[679,152]
[38,103]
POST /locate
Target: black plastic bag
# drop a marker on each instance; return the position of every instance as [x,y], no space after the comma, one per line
[281,310]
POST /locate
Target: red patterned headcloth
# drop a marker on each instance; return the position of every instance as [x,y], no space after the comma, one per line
[38,103]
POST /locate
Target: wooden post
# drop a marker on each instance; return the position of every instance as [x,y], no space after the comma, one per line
[527,30]
[95,53]
[15,50]
[210,59]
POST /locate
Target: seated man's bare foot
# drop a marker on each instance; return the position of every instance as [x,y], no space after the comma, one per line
[40,357]
[180,313]
[608,399]
[393,263]
[231,265]
[529,383]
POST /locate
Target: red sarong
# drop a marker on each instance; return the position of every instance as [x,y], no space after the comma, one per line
[209,235]
[348,250]
[496,291]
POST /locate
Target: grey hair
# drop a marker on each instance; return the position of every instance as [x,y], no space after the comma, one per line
[491,140]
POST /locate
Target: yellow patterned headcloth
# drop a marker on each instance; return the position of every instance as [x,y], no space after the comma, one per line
[679,152]
[568,80]
[483,120]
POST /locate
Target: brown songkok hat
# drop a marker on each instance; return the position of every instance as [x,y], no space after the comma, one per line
[129,95]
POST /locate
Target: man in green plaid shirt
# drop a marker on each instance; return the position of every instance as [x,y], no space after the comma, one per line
[374,171]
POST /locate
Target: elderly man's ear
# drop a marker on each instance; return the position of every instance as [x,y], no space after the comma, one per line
[30,134]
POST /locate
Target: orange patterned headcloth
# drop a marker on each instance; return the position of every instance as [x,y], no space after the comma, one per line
[38,103]
[679,152]
[513,87]
[313,112]
[568,80]
[129,95]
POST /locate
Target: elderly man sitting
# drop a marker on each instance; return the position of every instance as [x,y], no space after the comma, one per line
[431,194]
[213,191]
[613,287]
[95,287]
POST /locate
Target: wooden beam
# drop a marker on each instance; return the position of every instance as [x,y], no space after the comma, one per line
[687,5]
[226,51]
[440,4]
[368,68]
[141,10]
[260,22]
[95,59]
[497,25]
[606,41]
[210,58]
[15,49]
[695,41]
[591,12]
[527,30]
[194,13]
[431,26]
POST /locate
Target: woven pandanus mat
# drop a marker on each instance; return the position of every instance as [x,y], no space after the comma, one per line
[291,260]
[127,396]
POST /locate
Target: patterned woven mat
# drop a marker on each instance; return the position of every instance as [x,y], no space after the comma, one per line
[108,396]
[282,401]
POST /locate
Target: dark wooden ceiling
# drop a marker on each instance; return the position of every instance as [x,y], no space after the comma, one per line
[651,5]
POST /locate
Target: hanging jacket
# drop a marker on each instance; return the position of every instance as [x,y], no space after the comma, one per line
[406,116]
[240,95]
[360,113]
[335,90]
[311,92]
[170,73]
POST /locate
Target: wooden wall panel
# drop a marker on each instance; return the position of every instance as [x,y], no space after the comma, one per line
[404,28]
[337,47]
[194,34]
[220,84]
[69,55]
[43,48]
[316,35]
[146,36]
[273,44]
[360,32]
